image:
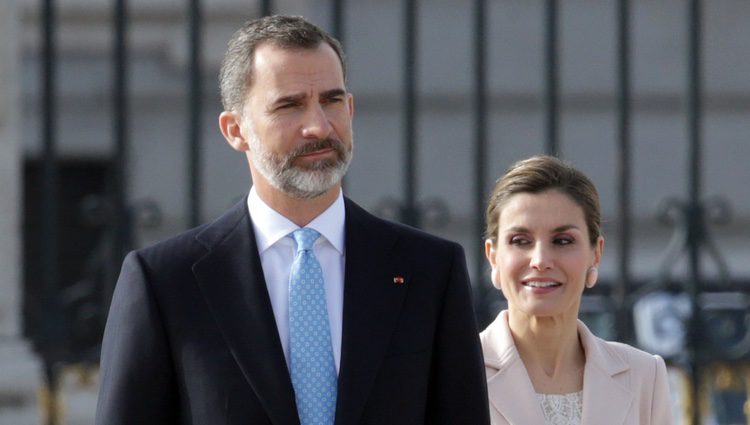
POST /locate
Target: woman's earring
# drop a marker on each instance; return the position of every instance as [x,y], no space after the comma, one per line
[592,276]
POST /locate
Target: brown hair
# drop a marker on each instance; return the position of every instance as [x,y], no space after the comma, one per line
[538,174]
[287,32]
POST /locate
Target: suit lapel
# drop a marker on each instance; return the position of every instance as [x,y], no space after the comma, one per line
[520,408]
[231,279]
[372,302]
[510,390]
[606,395]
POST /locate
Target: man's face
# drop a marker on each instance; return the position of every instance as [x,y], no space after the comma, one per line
[297,120]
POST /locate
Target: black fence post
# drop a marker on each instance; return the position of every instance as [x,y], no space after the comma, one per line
[481,287]
[50,335]
[552,77]
[266,7]
[120,117]
[622,287]
[410,214]
[195,113]
[695,219]
[337,20]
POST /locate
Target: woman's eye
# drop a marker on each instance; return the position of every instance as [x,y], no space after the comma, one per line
[519,241]
[563,241]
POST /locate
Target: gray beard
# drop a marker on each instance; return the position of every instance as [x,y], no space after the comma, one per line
[301,182]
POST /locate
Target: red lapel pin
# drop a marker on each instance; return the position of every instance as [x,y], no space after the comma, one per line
[398,280]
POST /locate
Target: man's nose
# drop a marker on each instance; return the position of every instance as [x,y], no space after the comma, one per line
[316,124]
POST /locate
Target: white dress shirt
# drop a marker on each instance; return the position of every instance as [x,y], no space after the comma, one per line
[277,248]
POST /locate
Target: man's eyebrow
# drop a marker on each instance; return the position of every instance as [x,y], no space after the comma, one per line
[298,97]
[330,94]
[291,98]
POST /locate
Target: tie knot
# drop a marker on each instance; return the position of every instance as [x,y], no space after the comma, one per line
[305,238]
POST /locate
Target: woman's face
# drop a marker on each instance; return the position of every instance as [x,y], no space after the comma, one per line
[543,257]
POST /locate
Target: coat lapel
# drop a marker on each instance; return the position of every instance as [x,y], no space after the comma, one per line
[231,279]
[509,387]
[520,408]
[606,397]
[372,302]
[606,394]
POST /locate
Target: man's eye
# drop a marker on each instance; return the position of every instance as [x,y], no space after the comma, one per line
[333,100]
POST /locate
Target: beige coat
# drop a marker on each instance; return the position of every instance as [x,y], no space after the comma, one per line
[621,385]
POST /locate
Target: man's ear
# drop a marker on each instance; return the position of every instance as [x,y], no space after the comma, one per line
[350,100]
[231,129]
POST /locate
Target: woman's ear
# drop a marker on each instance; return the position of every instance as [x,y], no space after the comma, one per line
[592,275]
[489,252]
[599,250]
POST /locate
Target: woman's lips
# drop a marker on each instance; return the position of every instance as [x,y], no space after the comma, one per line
[541,286]
[541,283]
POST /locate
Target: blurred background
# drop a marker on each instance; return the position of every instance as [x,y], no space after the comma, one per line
[109,142]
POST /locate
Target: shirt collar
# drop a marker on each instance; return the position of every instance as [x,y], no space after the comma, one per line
[270,226]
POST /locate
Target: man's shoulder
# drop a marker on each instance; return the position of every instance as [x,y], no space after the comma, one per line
[174,243]
[380,227]
[194,242]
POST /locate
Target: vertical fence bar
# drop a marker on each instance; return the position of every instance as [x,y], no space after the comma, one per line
[695,95]
[624,170]
[337,20]
[480,152]
[119,127]
[410,215]
[337,31]
[266,7]
[695,210]
[195,113]
[552,76]
[50,195]
[51,329]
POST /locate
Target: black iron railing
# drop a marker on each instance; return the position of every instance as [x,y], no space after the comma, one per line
[691,218]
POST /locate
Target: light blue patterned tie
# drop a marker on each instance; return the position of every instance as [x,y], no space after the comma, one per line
[313,370]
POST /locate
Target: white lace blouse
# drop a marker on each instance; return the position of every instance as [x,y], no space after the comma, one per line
[561,409]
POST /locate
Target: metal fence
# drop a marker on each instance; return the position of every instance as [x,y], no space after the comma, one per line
[67,308]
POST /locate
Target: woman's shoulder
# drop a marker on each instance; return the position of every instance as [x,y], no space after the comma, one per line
[634,355]
[614,352]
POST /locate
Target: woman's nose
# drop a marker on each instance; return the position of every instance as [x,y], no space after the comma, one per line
[541,258]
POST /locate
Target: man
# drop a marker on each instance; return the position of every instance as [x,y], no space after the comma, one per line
[209,327]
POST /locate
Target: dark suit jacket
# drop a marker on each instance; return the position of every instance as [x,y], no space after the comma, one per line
[191,337]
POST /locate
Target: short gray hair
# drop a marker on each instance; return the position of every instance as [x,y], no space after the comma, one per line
[287,32]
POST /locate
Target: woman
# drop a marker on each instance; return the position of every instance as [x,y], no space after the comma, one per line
[543,365]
